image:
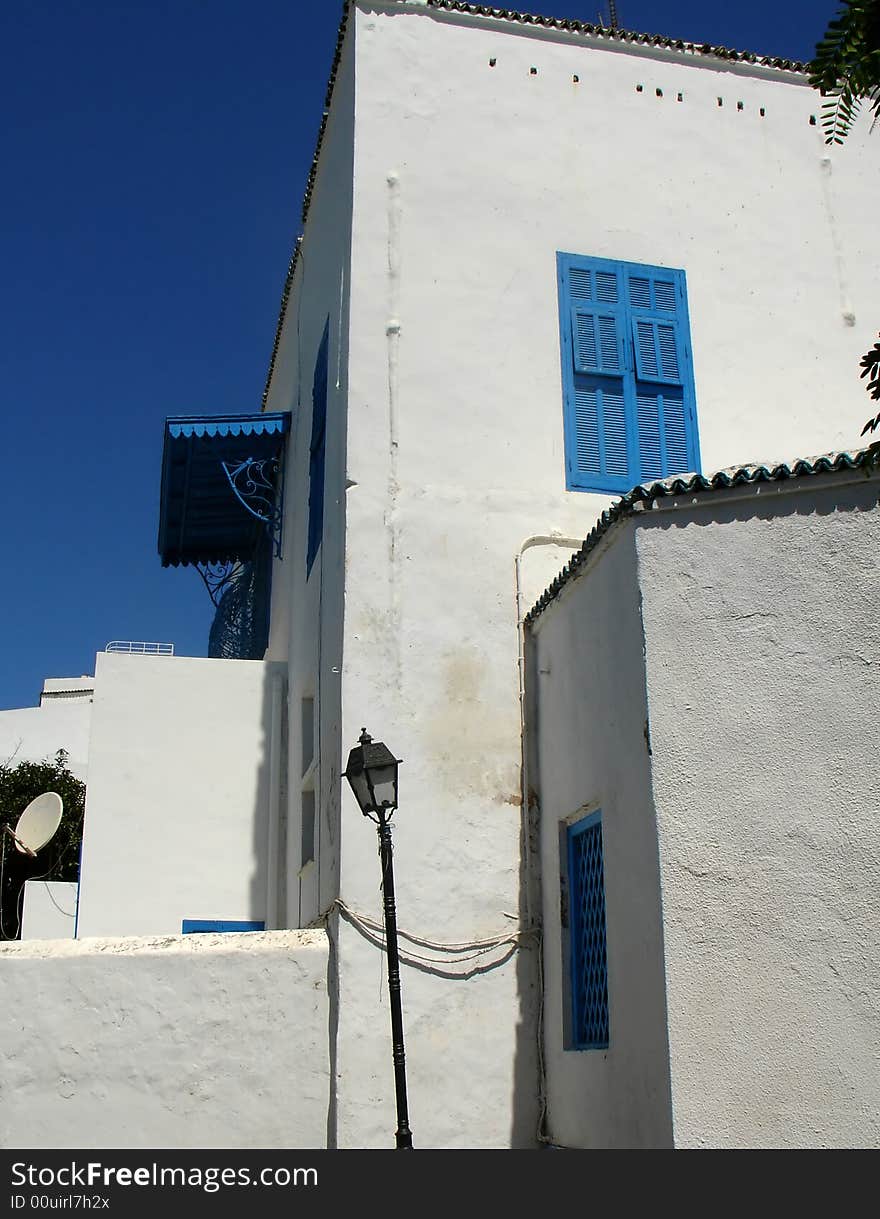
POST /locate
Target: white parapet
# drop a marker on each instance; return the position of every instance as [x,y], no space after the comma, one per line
[178,1041]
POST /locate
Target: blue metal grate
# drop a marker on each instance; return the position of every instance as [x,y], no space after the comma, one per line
[589,969]
[240,630]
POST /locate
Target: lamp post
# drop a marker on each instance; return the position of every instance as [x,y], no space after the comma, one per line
[372,774]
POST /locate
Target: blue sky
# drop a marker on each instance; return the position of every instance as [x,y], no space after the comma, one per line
[155,154]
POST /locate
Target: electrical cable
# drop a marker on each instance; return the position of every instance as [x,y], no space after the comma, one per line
[19,900]
[463,952]
[541,1130]
[423,942]
[59,908]
[3,934]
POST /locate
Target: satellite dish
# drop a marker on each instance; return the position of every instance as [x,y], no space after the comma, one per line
[39,823]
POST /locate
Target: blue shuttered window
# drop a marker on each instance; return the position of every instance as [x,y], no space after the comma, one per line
[588,957]
[627,374]
[317,450]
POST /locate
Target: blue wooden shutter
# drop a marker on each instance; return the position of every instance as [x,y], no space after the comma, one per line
[595,360]
[665,417]
[599,419]
[629,415]
[597,341]
[656,350]
[317,450]
[662,433]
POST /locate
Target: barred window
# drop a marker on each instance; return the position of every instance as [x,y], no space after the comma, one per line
[587,957]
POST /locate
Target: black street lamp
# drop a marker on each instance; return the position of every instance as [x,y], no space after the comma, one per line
[372,773]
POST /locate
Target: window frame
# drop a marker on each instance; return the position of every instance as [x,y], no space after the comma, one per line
[570,831]
[629,380]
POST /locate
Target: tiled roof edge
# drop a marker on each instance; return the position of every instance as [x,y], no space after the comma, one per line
[571,26]
[685,484]
[307,198]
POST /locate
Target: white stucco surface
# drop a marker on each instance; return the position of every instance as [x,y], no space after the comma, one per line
[214,1041]
[307,606]
[748,625]
[67,688]
[762,643]
[177,807]
[587,716]
[444,189]
[49,910]
[468,180]
[34,734]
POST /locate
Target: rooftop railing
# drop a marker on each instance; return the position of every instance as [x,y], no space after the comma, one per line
[139,648]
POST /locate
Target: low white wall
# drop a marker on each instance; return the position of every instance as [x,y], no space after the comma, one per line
[49,911]
[762,646]
[187,1041]
[177,809]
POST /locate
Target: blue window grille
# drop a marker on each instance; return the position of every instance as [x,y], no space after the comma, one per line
[627,374]
[317,450]
[588,958]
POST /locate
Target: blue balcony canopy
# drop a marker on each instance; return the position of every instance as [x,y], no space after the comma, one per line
[221,485]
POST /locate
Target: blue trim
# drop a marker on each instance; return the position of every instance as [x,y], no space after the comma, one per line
[185,426]
[587,935]
[318,449]
[222,483]
[79,872]
[197,926]
[258,486]
[605,452]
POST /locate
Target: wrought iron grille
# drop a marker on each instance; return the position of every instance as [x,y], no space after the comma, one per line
[240,630]
[589,968]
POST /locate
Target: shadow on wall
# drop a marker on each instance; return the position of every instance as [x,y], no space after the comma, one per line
[466,964]
[530,1119]
[527,1118]
[766,502]
[269,820]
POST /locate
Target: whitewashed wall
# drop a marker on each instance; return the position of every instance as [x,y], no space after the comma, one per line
[467,181]
[307,611]
[209,1041]
[588,720]
[743,654]
[34,734]
[67,689]
[762,644]
[178,802]
[49,910]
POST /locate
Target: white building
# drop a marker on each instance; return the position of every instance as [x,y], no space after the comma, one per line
[708,831]
[540,263]
[61,720]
